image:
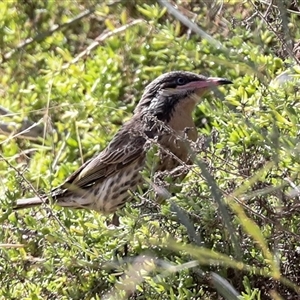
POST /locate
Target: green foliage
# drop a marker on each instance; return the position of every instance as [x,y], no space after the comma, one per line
[230,229]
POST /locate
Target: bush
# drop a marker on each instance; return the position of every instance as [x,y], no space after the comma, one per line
[72,73]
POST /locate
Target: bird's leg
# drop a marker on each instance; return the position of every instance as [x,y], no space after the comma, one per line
[143,198]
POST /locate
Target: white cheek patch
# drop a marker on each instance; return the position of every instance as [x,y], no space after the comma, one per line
[170,92]
[153,104]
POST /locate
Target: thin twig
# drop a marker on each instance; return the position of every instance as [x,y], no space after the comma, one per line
[28,128]
[41,36]
[275,6]
[99,40]
[283,42]
[191,25]
[31,131]
[37,194]
[11,246]
[5,112]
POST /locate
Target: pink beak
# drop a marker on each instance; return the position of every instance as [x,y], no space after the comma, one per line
[205,83]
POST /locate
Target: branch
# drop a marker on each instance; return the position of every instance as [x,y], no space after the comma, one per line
[191,25]
[99,40]
[27,129]
[41,36]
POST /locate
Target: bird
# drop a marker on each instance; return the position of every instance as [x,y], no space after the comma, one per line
[163,115]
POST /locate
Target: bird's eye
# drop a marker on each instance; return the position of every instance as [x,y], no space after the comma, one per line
[181,81]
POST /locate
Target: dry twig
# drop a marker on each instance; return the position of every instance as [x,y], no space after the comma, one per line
[41,36]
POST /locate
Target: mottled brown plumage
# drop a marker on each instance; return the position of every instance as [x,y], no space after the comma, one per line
[164,114]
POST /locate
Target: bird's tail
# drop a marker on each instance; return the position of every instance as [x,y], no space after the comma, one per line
[28,202]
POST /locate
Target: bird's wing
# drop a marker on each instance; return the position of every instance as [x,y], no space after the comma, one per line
[125,148]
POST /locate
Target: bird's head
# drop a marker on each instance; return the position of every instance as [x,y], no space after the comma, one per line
[175,90]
